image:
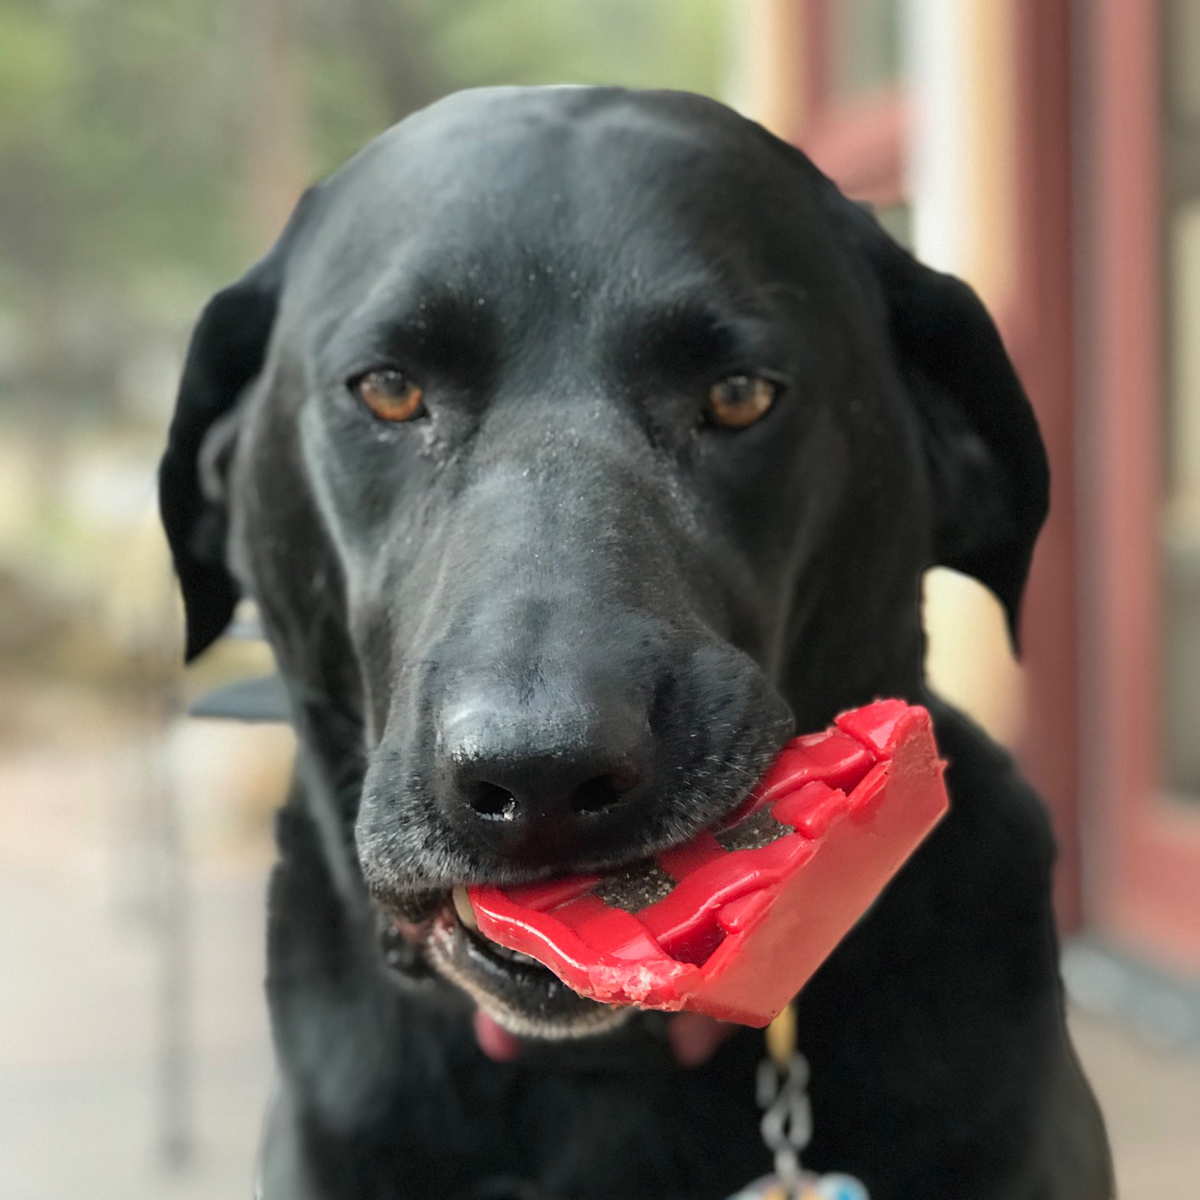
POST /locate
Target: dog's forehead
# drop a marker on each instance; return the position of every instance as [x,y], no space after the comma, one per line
[488,139]
[571,177]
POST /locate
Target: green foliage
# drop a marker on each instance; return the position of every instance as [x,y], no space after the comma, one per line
[34,63]
[148,147]
[114,146]
[671,44]
[396,55]
[123,123]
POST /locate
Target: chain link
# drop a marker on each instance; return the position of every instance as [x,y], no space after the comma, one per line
[786,1123]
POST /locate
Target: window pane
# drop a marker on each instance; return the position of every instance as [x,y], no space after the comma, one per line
[1183,56]
[1181,523]
[866,46]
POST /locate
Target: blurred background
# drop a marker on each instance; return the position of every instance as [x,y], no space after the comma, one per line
[1046,150]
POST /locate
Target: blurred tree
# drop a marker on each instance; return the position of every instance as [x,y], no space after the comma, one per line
[150,148]
[659,44]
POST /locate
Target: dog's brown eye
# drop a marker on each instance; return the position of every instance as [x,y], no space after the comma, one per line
[390,396]
[740,400]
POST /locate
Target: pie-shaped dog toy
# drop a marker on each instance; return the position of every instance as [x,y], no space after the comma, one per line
[735,921]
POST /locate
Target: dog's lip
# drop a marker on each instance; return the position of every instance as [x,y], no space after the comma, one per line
[518,993]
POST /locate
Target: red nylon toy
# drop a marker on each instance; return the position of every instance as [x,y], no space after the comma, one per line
[734,922]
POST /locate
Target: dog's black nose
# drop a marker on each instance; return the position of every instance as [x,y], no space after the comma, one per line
[544,785]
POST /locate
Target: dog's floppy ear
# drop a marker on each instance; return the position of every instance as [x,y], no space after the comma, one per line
[987,463]
[225,353]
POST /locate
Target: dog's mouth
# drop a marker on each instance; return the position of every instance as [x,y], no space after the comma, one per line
[517,992]
[437,930]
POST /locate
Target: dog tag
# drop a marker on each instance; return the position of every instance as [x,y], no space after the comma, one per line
[811,1187]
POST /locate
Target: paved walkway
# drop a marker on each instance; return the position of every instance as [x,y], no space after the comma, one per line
[84,1107]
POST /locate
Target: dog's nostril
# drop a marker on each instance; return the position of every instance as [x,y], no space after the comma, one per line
[493,802]
[595,795]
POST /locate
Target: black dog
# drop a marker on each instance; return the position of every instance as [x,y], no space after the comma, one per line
[579,445]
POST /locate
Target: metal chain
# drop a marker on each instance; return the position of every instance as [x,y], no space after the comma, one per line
[786,1123]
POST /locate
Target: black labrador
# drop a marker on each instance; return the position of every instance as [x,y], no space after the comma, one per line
[578,446]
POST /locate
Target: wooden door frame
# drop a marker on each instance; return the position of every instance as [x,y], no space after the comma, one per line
[1143,872]
[1038,325]
[1129,861]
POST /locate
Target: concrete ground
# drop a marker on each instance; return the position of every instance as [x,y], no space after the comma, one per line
[84,988]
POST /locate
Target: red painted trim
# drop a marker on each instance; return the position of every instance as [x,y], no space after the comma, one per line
[859,144]
[1040,334]
[1144,877]
[1157,909]
[815,45]
[861,147]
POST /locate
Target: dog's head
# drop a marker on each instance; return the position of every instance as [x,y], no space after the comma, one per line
[576,444]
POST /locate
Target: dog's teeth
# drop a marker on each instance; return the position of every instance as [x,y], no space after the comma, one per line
[462,906]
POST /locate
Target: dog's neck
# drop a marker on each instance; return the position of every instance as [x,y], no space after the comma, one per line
[837,665]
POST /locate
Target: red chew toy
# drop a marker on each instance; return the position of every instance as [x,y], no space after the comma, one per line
[733,923]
